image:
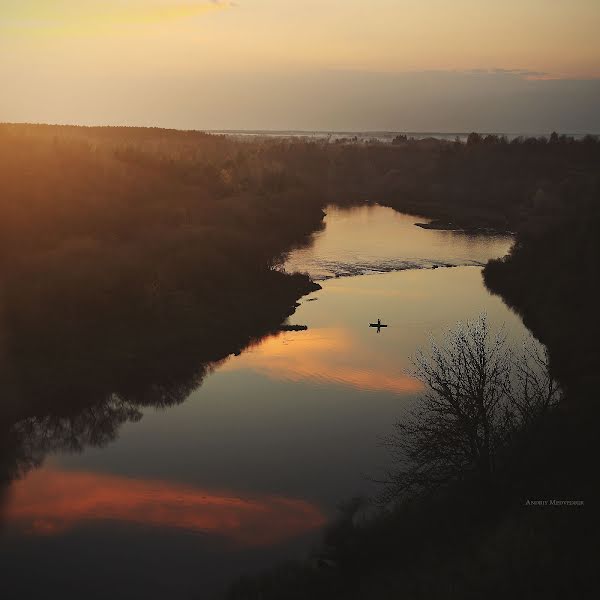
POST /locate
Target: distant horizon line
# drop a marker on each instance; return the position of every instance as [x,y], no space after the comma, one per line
[309,131]
[394,131]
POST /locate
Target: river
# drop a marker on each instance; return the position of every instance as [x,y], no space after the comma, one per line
[249,468]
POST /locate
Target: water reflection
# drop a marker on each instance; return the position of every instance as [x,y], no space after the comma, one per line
[287,426]
[28,441]
[376,239]
[50,502]
[331,356]
[70,399]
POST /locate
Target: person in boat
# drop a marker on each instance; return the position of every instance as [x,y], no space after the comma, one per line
[378,322]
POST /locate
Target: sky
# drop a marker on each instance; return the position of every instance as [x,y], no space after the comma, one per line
[402,65]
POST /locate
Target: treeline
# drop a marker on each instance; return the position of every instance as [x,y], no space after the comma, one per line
[126,185]
[130,261]
[487,182]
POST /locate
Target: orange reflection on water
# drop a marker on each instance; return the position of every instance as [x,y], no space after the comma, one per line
[330,355]
[48,502]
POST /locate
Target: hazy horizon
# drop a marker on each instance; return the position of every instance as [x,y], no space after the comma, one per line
[329,66]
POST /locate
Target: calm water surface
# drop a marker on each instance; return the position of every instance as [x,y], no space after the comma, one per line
[247,470]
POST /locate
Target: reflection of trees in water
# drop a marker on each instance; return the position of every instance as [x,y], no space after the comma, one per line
[97,425]
[26,443]
[66,402]
[80,421]
[69,380]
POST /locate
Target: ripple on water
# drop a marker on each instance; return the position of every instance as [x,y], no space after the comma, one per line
[376,239]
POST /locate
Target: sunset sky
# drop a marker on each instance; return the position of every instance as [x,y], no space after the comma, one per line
[284,64]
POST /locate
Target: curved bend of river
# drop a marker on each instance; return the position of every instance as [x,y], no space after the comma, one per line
[249,468]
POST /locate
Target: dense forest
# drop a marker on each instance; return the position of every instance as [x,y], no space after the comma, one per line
[490,182]
[133,260]
[129,265]
[133,243]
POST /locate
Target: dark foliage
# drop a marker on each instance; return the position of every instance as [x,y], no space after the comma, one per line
[552,275]
[128,269]
[133,260]
[482,396]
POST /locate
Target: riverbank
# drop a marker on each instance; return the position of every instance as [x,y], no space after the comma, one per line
[134,261]
[448,226]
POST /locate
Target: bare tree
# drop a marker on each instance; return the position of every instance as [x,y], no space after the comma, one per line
[479,395]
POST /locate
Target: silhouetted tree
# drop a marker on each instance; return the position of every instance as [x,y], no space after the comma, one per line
[480,394]
[473,138]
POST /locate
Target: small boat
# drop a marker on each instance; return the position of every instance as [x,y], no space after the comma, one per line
[377,325]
